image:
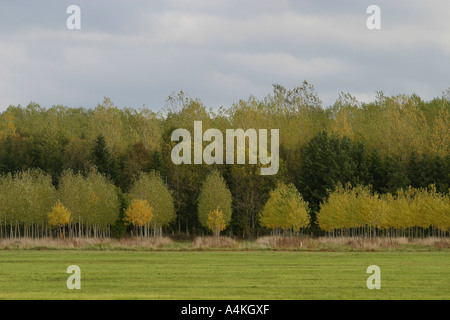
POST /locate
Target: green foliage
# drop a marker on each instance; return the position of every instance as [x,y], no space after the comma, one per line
[25,199]
[92,200]
[102,158]
[214,195]
[377,172]
[358,208]
[285,210]
[151,187]
[119,228]
[326,162]
[390,144]
[216,222]
[137,159]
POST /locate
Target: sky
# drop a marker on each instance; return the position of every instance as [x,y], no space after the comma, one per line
[138,53]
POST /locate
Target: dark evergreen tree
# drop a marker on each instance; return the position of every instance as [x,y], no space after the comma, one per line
[360,157]
[438,175]
[8,159]
[414,170]
[119,228]
[377,172]
[103,160]
[422,175]
[396,175]
[136,160]
[100,155]
[327,161]
[317,171]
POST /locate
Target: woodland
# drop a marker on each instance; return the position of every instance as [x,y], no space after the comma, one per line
[376,169]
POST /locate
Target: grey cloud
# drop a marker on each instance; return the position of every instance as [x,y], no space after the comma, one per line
[139,52]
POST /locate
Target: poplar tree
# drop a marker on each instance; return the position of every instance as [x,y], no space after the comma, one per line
[285,210]
[26,198]
[151,187]
[214,195]
[59,217]
[139,214]
[92,200]
[216,222]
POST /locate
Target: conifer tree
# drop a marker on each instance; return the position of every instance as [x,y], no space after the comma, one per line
[103,160]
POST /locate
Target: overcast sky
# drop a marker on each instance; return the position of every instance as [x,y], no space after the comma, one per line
[220,51]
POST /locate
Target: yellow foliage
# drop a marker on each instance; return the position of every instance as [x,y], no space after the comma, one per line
[440,138]
[341,126]
[94,198]
[285,209]
[357,207]
[59,216]
[139,213]
[7,127]
[216,221]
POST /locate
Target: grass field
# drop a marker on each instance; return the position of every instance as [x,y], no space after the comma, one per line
[253,275]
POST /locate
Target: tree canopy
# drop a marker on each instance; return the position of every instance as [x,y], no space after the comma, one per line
[46,154]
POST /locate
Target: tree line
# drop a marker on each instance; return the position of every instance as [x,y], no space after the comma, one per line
[358,211]
[389,144]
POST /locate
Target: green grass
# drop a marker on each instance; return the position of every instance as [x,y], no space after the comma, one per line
[253,275]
